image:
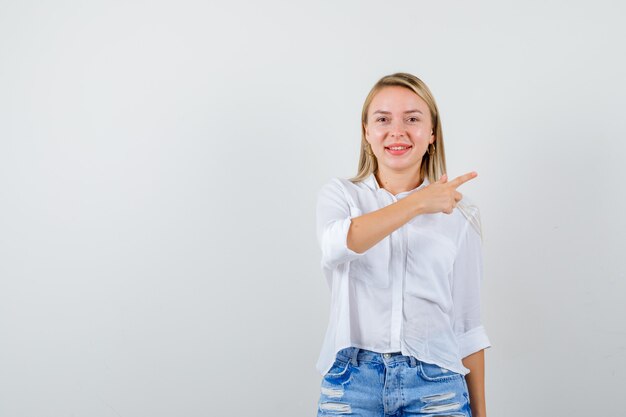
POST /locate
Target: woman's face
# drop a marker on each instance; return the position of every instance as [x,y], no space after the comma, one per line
[397,116]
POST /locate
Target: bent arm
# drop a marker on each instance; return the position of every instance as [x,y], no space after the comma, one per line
[345,234]
[370,228]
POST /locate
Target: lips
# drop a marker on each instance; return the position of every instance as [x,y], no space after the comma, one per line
[398,149]
[398,145]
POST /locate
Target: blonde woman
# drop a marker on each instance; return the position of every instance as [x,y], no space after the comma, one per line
[401,253]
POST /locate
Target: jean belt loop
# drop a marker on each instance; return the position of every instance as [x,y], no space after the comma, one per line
[413,361]
[355,354]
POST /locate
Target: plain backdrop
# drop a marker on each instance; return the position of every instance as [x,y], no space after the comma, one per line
[159,164]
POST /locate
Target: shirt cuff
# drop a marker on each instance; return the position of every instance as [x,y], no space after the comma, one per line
[336,244]
[472,341]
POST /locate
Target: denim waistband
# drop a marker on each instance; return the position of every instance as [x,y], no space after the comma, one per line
[356,355]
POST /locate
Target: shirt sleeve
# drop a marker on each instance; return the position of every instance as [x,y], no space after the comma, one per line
[334,216]
[466,286]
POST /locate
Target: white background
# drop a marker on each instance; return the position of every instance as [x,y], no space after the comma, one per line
[159,162]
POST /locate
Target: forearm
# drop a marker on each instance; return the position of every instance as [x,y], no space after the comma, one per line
[370,228]
[476,382]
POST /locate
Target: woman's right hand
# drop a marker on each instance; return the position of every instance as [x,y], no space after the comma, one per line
[441,195]
[370,228]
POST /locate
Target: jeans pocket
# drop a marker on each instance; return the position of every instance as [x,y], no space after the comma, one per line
[435,373]
[339,370]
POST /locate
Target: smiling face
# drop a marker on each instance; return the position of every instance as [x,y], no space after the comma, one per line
[399,128]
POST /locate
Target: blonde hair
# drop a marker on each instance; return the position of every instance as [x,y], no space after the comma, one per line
[432,166]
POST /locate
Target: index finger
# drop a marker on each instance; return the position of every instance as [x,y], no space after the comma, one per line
[463,179]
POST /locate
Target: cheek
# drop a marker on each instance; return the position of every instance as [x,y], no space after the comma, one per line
[376,134]
[421,131]
[422,138]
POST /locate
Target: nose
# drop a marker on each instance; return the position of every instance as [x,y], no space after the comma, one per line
[397,128]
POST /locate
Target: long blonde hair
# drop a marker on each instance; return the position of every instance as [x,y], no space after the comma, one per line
[432,166]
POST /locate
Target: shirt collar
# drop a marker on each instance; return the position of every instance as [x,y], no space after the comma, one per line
[372,183]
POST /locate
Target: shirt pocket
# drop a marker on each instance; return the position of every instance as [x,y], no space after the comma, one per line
[429,261]
[372,268]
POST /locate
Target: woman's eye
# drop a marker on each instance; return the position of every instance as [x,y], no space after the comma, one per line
[380,119]
[414,119]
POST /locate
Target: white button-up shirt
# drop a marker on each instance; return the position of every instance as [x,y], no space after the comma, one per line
[416,291]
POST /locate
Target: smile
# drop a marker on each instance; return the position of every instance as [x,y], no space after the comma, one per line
[398,150]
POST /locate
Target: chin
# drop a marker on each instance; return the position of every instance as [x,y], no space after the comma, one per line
[401,166]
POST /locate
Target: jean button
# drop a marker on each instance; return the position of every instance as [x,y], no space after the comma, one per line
[386,355]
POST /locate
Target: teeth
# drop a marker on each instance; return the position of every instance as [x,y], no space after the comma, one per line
[398,148]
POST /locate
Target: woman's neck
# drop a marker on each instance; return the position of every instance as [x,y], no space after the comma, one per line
[398,182]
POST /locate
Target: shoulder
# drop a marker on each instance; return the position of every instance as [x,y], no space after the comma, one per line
[468,205]
[333,192]
[338,184]
[340,191]
[470,211]
[331,185]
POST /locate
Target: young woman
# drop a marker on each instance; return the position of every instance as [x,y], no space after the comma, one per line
[401,253]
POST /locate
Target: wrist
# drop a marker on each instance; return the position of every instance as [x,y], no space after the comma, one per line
[417,204]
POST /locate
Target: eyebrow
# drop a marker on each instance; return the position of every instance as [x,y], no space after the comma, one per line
[408,111]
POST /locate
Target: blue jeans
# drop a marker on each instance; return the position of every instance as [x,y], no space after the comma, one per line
[366,384]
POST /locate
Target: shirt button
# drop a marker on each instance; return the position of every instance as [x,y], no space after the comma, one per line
[386,355]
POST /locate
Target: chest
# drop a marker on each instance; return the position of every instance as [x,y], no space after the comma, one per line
[422,251]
